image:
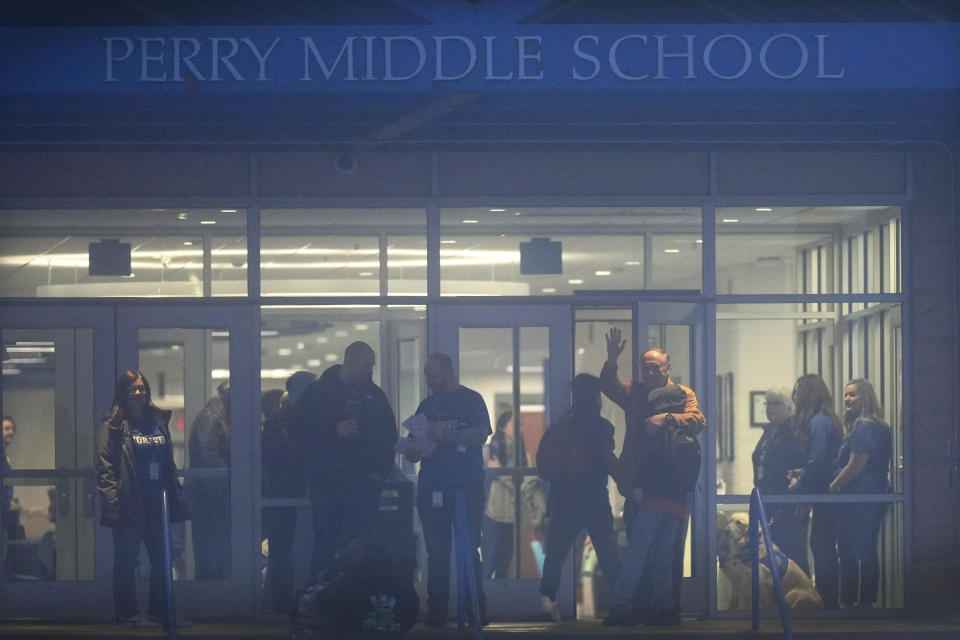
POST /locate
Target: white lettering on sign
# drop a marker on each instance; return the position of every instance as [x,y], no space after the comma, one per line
[398,59]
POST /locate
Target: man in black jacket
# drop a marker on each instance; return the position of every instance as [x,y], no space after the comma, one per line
[349,431]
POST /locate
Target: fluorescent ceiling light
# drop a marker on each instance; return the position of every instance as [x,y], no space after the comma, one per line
[763,209]
[365,273]
[228,210]
[730,220]
[181,215]
[671,250]
[284,351]
[699,241]
[208,222]
[548,290]
[601,273]
[29,349]
[575,281]
[632,263]
[497,210]
[313,362]
[322,339]
[448,242]
[470,221]
[188,243]
[269,333]
[330,357]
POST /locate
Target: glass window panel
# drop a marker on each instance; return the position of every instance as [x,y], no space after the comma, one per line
[492,251]
[314,339]
[48,496]
[188,371]
[341,252]
[804,249]
[45,252]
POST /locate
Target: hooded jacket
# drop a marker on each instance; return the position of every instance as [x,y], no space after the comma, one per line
[117,472]
[340,461]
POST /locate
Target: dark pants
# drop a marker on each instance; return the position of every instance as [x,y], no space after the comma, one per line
[857,532]
[570,514]
[823,547]
[209,500]
[339,514]
[644,591]
[437,522]
[789,532]
[497,548]
[279,527]
[126,555]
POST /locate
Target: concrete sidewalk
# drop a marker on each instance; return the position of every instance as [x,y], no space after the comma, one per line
[885,629]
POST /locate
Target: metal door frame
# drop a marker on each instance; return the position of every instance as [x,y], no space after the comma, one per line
[518,599]
[72,599]
[240,594]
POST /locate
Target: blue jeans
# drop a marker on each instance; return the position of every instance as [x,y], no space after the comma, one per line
[651,552]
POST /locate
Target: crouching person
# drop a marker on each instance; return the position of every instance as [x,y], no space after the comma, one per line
[364,595]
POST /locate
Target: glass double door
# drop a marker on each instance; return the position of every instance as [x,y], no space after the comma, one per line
[58,378]
[521,359]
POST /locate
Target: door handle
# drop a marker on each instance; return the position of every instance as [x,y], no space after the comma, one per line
[63,500]
[89,496]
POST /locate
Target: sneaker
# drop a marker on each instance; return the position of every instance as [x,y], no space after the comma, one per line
[548,610]
[140,621]
[618,616]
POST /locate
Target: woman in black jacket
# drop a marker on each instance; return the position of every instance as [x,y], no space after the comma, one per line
[134,466]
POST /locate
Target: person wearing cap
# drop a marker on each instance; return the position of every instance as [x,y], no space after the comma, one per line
[283,476]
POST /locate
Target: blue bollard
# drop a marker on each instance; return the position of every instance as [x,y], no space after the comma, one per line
[758,516]
[170,617]
[466,574]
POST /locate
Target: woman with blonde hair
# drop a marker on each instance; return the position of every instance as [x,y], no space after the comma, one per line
[818,433]
[862,465]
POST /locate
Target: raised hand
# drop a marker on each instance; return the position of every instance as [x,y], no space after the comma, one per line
[615,344]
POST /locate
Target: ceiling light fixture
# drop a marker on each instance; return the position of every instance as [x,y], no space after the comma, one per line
[730,220]
[497,210]
[671,250]
[470,221]
[575,281]
[632,263]
[601,273]
[763,209]
[228,210]
[548,290]
[208,222]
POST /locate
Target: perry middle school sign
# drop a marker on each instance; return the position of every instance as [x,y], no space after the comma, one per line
[431,58]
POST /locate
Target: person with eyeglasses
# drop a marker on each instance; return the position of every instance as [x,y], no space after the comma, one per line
[776,453]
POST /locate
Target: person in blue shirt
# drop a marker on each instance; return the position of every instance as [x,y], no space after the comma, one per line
[459,424]
[862,465]
[817,431]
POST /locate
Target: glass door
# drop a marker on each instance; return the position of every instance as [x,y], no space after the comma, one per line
[677,328]
[54,559]
[203,364]
[520,360]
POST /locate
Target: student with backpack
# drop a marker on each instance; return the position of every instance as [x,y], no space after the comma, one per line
[575,456]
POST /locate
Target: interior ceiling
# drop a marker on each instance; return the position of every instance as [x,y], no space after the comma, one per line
[378,121]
